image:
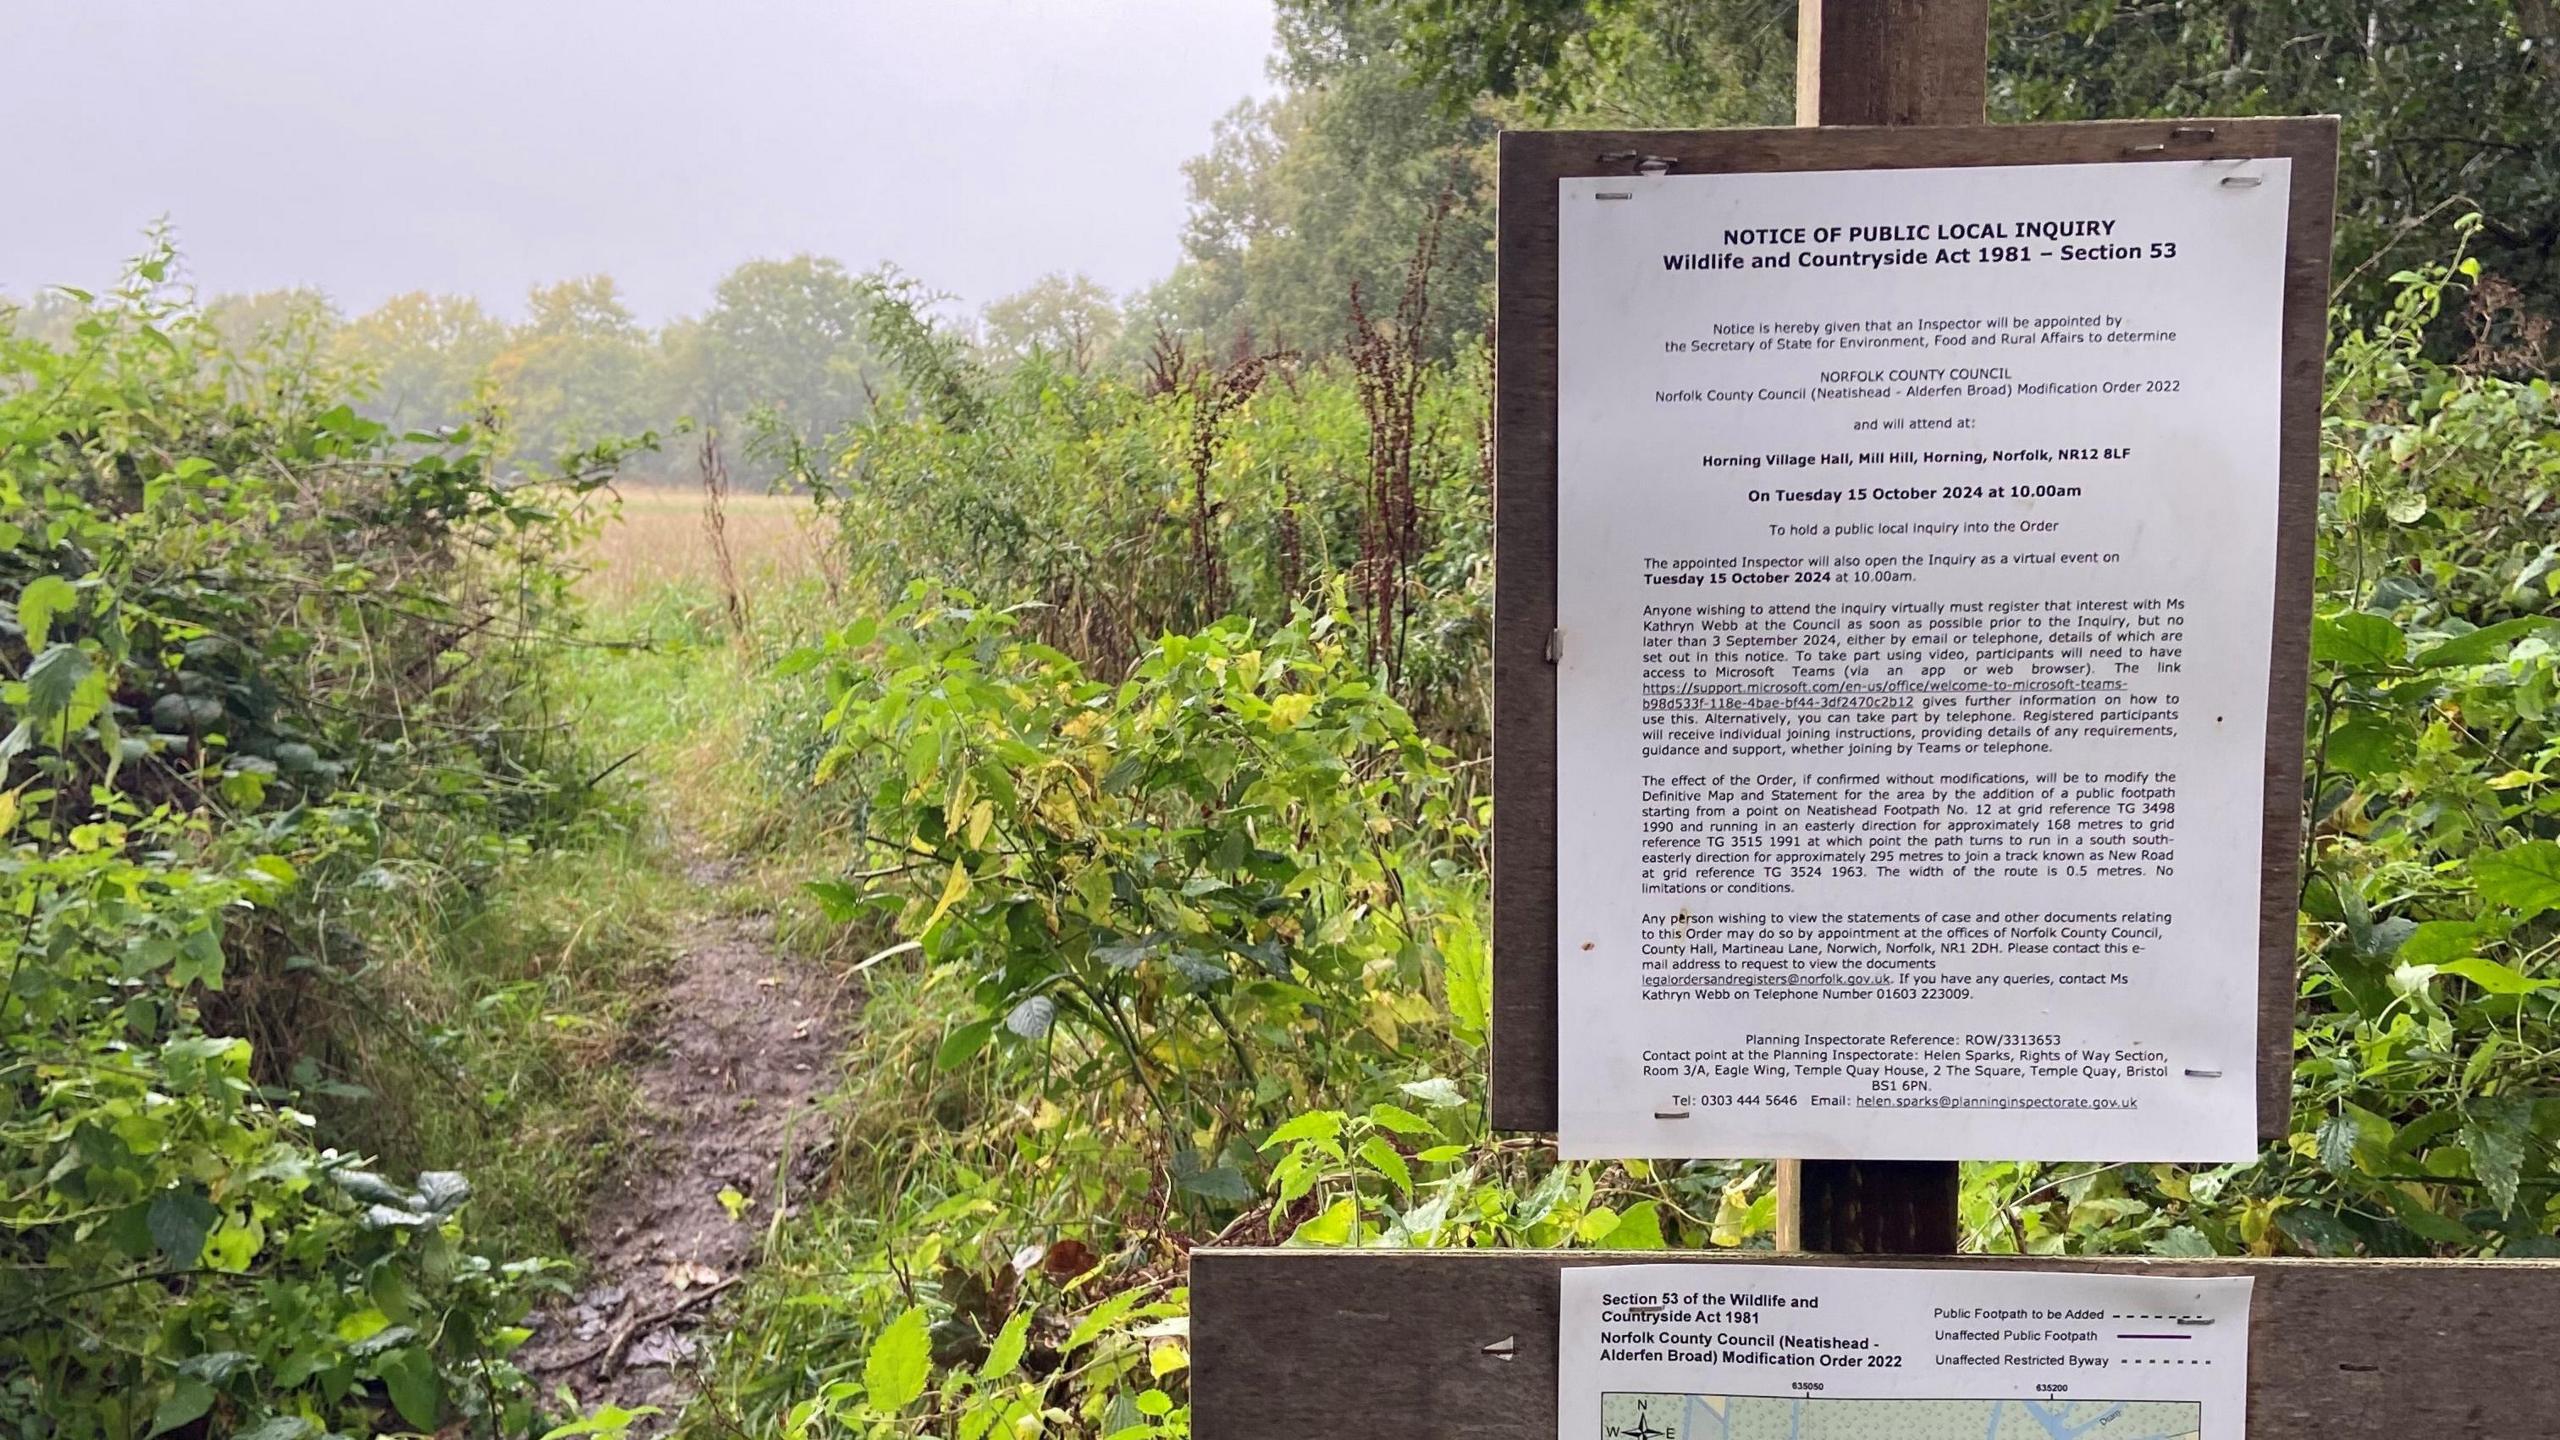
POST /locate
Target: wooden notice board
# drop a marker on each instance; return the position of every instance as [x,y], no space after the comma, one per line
[1525,733]
[1298,1344]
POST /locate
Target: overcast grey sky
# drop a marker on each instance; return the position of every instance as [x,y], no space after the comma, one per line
[483,146]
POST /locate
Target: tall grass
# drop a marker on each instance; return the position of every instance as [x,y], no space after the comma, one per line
[656,540]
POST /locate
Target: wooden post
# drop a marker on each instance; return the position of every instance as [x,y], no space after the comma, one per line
[1882,62]
[1891,62]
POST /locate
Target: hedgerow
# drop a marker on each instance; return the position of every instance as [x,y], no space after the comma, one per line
[267,655]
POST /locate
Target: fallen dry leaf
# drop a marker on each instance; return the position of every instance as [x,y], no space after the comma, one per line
[1069,1258]
[685,1274]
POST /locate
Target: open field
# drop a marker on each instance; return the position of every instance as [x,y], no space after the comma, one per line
[659,537]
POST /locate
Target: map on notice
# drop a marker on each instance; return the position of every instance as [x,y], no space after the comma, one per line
[1634,1416]
[1873,1352]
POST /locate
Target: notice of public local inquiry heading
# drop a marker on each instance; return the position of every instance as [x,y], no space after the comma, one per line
[1916,556]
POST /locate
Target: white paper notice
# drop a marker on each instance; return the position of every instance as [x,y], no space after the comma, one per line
[1916,538]
[1791,1352]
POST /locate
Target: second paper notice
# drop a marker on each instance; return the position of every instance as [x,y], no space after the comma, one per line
[1783,1352]
[1916,554]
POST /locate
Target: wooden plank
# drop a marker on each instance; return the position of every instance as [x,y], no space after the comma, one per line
[1292,1344]
[2306,355]
[1869,1207]
[1891,62]
[1524,883]
[1524,618]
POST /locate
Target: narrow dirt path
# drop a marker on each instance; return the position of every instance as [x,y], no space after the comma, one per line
[743,1045]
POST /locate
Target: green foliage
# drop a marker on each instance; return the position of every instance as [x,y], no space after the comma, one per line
[779,357]
[1304,196]
[1080,492]
[2444,106]
[1069,320]
[1202,878]
[1641,63]
[577,372]
[426,355]
[1115,933]
[262,647]
[996,1396]
[177,1245]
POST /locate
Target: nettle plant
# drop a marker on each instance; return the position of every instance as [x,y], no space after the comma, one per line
[1217,882]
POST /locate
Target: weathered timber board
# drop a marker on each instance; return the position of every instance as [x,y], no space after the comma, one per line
[1524,603]
[1313,1345]
[1892,62]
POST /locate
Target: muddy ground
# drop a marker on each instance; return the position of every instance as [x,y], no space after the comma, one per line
[742,1045]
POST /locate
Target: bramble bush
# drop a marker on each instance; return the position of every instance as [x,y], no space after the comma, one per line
[263,649]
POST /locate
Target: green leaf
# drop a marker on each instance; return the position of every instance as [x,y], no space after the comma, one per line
[2493,977]
[1466,972]
[1211,1182]
[2497,1132]
[1388,1161]
[1400,1120]
[2365,746]
[2427,1224]
[2317,1231]
[365,1185]
[2526,877]
[417,1391]
[2357,640]
[2337,1144]
[1313,1125]
[2185,1242]
[441,1192]
[1101,1318]
[901,1359]
[45,597]
[1032,1018]
[2437,941]
[1639,1228]
[390,1337]
[188,1402]
[1333,1227]
[2418,1134]
[840,901]
[607,1420]
[963,1044]
[199,960]
[54,681]
[231,1248]
[2481,646]
[1007,1350]
[179,1220]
